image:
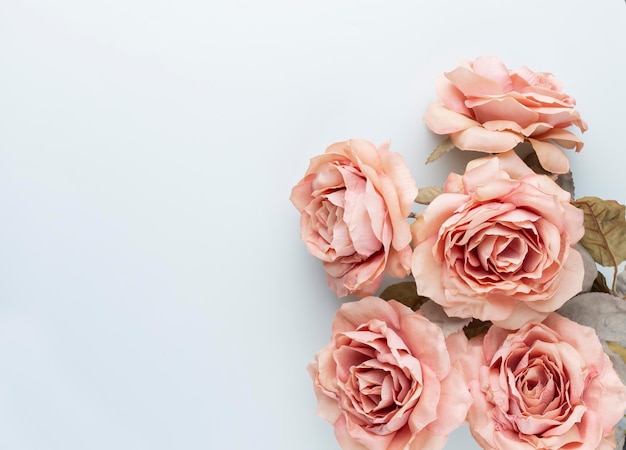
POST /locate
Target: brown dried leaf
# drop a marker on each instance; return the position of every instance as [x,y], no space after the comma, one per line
[605,230]
[404,292]
[441,149]
[427,194]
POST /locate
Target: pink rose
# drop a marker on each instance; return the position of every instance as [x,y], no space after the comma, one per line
[385,380]
[355,200]
[497,244]
[483,106]
[546,386]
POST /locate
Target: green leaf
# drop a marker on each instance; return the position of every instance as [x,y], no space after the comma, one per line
[404,292]
[441,149]
[427,194]
[605,230]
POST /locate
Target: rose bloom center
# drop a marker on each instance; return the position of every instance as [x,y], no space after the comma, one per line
[381,385]
[494,251]
[540,395]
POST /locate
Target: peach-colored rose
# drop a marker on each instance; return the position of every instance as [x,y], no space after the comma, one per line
[546,386]
[483,106]
[497,244]
[355,199]
[386,381]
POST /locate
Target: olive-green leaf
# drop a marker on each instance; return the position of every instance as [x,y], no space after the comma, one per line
[566,182]
[476,328]
[441,149]
[599,284]
[404,292]
[427,194]
[605,230]
[532,161]
[617,349]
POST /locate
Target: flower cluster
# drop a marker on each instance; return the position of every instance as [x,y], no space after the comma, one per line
[500,318]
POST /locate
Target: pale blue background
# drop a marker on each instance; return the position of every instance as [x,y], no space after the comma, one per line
[154,293]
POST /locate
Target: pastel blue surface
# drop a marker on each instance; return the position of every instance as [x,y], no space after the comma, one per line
[154,292]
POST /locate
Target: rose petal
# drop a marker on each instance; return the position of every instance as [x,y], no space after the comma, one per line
[550,156]
[480,139]
[500,109]
[473,84]
[442,120]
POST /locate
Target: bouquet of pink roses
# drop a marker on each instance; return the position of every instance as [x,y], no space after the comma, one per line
[500,317]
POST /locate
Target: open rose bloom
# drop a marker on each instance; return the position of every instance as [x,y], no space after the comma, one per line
[354,201]
[386,381]
[497,244]
[485,107]
[546,386]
